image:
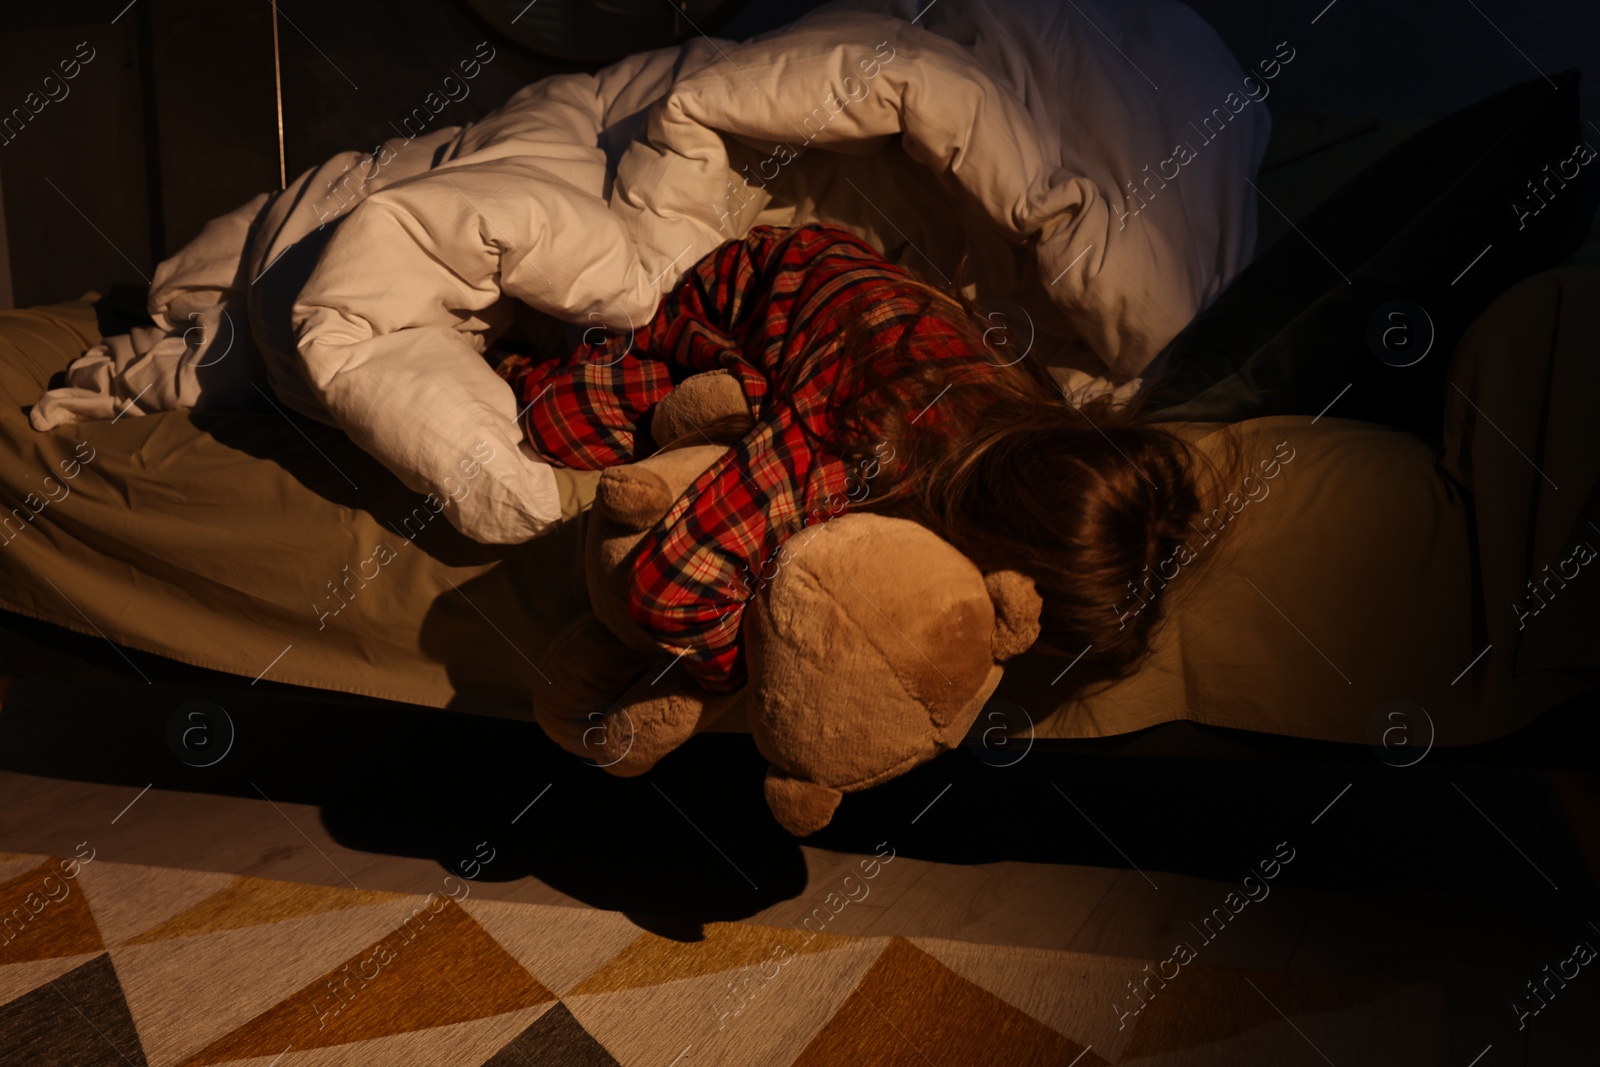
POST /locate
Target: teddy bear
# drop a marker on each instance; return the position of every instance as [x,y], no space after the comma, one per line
[871,650]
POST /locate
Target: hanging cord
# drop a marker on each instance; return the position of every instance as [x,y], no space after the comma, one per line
[277,78]
[155,198]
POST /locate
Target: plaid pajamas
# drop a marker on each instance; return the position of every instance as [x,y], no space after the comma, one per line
[757,308]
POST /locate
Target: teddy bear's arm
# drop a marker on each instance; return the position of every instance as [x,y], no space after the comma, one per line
[586,670]
[610,704]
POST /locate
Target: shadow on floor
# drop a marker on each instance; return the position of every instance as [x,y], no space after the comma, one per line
[692,842]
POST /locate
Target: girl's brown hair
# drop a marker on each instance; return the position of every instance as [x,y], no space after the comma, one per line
[989,453]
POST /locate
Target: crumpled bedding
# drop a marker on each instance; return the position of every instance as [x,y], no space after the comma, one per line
[1007,132]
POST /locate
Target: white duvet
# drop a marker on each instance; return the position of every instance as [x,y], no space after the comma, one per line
[1044,143]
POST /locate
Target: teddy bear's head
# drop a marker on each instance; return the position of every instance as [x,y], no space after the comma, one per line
[873,649]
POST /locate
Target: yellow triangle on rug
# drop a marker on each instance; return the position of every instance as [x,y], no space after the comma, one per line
[436,968]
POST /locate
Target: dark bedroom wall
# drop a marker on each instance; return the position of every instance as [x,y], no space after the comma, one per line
[354,71]
[72,174]
[1416,57]
[350,70]
[215,120]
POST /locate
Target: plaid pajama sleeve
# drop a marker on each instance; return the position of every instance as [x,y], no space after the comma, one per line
[583,410]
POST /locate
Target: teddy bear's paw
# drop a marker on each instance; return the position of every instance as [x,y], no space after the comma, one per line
[801,807]
[625,739]
[638,736]
[608,740]
[585,668]
[649,722]
[633,497]
[605,737]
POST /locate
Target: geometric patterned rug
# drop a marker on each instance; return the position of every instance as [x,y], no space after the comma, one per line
[119,965]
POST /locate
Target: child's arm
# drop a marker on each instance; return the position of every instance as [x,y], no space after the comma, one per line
[583,411]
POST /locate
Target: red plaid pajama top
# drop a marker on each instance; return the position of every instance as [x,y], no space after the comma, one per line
[756,307]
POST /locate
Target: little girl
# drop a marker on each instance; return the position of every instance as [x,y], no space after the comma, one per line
[869,389]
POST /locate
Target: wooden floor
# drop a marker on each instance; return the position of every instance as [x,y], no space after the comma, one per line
[1467,878]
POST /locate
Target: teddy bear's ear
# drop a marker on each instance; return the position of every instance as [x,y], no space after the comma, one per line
[1017,607]
[801,807]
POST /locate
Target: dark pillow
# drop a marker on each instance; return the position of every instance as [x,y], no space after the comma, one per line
[1444,222]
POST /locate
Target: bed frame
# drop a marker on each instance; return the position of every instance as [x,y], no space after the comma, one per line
[1563,740]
